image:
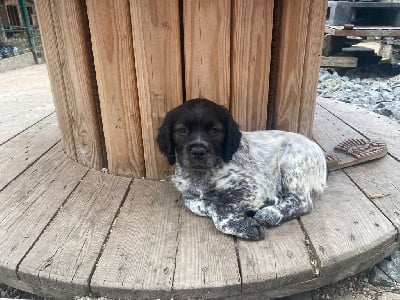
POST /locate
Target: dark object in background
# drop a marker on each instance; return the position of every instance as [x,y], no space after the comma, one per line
[8,51]
[371,13]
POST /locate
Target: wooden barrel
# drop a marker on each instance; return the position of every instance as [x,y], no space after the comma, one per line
[118,66]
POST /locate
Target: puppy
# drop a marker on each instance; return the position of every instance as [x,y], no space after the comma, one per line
[243,181]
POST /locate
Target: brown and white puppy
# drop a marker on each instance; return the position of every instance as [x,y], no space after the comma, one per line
[242,180]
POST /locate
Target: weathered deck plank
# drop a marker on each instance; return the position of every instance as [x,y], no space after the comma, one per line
[346,232]
[29,203]
[61,261]
[139,257]
[278,261]
[20,152]
[370,124]
[206,262]
[330,131]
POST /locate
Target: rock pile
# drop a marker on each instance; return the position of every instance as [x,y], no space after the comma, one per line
[381,95]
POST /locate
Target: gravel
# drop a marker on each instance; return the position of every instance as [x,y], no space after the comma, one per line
[7,292]
[379,94]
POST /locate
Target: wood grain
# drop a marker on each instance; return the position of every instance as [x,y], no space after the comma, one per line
[370,124]
[111,34]
[139,258]
[251,53]
[279,260]
[363,31]
[387,184]
[23,150]
[54,67]
[290,33]
[207,49]
[156,43]
[206,262]
[29,203]
[72,32]
[329,131]
[339,61]
[62,259]
[346,229]
[313,48]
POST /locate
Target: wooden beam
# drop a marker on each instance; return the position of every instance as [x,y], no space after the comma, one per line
[111,29]
[251,54]
[287,69]
[54,67]
[339,61]
[72,31]
[363,31]
[156,43]
[207,49]
[313,48]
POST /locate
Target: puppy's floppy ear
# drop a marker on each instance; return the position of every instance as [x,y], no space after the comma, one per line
[232,139]
[164,140]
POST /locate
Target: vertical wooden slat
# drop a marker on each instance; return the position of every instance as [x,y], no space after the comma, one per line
[289,34]
[156,43]
[111,34]
[251,53]
[72,36]
[315,35]
[207,49]
[54,67]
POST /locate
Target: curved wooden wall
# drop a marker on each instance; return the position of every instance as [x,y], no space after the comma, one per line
[118,66]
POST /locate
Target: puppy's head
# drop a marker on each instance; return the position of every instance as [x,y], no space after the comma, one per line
[200,134]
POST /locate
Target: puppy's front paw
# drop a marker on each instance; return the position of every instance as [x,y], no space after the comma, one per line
[248,228]
[269,216]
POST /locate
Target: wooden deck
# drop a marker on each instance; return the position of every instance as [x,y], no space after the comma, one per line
[67,230]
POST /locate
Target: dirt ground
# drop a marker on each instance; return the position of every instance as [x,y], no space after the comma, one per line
[26,91]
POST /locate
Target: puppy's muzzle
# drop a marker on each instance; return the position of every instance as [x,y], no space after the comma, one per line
[198,152]
[199,155]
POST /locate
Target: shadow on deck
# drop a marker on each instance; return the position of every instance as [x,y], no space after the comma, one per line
[67,230]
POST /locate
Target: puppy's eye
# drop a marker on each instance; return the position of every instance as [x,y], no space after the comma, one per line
[215,130]
[182,130]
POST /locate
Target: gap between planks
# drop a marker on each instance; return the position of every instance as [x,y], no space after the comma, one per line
[48,224]
[24,149]
[108,235]
[354,175]
[23,130]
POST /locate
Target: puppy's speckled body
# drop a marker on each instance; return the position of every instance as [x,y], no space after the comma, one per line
[271,176]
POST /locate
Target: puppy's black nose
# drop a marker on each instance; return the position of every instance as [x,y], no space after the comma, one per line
[198,152]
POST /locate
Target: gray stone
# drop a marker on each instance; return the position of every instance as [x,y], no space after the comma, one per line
[395,257]
[378,277]
[390,269]
[386,112]
[302,296]
[380,105]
